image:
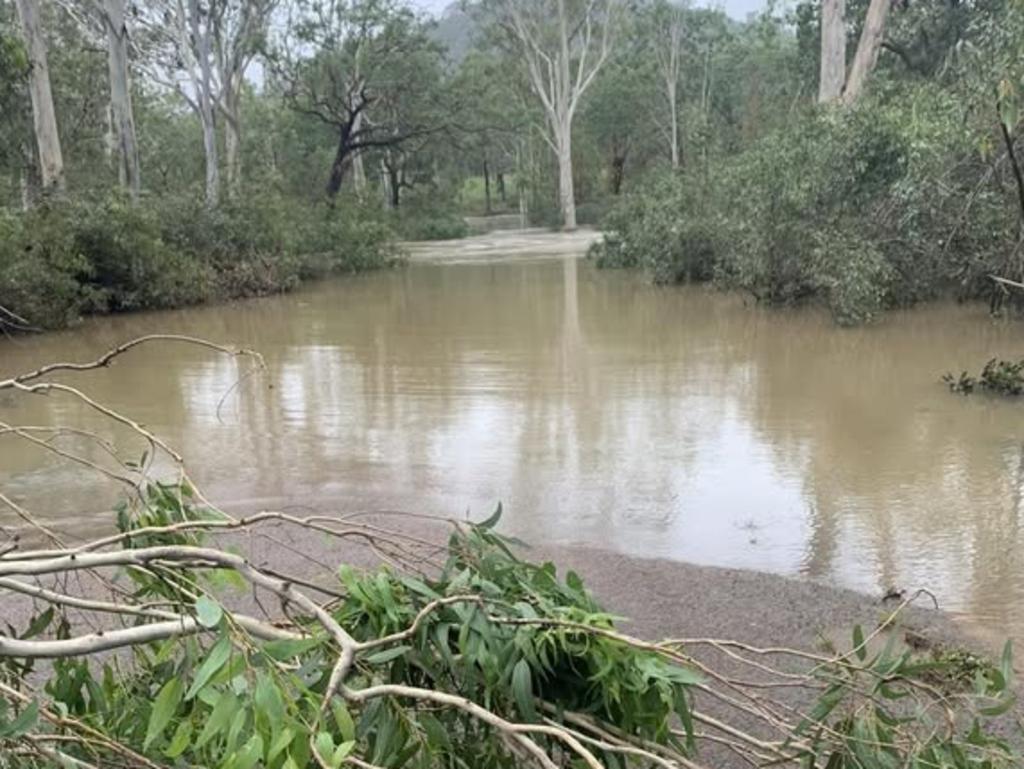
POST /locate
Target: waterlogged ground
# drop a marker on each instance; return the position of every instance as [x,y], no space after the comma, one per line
[604,412]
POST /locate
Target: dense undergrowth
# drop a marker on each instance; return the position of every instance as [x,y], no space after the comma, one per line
[908,195]
[67,258]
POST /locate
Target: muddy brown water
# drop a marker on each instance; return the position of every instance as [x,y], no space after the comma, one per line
[680,423]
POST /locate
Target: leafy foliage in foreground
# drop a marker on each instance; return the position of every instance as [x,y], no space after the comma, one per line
[534,651]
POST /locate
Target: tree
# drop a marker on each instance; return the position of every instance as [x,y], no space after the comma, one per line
[832,73]
[669,23]
[44,117]
[239,31]
[868,48]
[122,115]
[564,44]
[361,68]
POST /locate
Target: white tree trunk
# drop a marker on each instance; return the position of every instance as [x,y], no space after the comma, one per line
[232,110]
[44,117]
[674,126]
[868,48]
[832,72]
[566,190]
[204,100]
[560,75]
[122,118]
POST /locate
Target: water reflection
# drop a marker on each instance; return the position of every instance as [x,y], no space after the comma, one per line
[602,411]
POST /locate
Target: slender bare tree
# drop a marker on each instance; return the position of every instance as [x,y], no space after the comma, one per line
[564,44]
[112,15]
[670,21]
[832,74]
[239,28]
[203,49]
[44,117]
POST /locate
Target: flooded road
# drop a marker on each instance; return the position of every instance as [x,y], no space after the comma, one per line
[672,422]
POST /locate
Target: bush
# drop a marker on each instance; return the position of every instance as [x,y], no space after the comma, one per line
[861,209]
[71,258]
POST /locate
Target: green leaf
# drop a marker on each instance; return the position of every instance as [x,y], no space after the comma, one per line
[1006,663]
[344,720]
[522,689]
[492,521]
[39,623]
[164,707]
[268,699]
[250,753]
[23,723]
[341,752]
[858,643]
[324,746]
[284,739]
[387,655]
[284,650]
[214,661]
[180,740]
[999,708]
[219,718]
[208,612]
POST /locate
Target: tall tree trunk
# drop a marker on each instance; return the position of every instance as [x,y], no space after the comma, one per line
[121,114]
[674,125]
[867,50]
[500,177]
[358,169]
[832,71]
[487,187]
[395,187]
[618,173]
[342,160]
[27,178]
[232,111]
[566,190]
[205,102]
[44,118]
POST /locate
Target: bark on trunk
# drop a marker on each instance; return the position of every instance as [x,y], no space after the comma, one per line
[832,72]
[867,50]
[205,103]
[232,138]
[566,190]
[44,118]
[339,167]
[618,173]
[674,128]
[395,187]
[358,169]
[487,188]
[122,117]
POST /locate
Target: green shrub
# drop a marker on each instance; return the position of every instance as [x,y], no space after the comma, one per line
[70,258]
[861,209]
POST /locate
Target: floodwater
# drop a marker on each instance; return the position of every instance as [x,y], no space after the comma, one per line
[602,411]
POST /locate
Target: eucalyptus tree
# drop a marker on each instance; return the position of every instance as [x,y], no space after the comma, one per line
[667,30]
[364,68]
[564,44]
[122,117]
[44,116]
[202,49]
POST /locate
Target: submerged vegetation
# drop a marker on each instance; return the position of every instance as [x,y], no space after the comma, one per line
[1003,377]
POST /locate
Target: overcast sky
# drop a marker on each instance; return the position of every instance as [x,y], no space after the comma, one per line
[738,9]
